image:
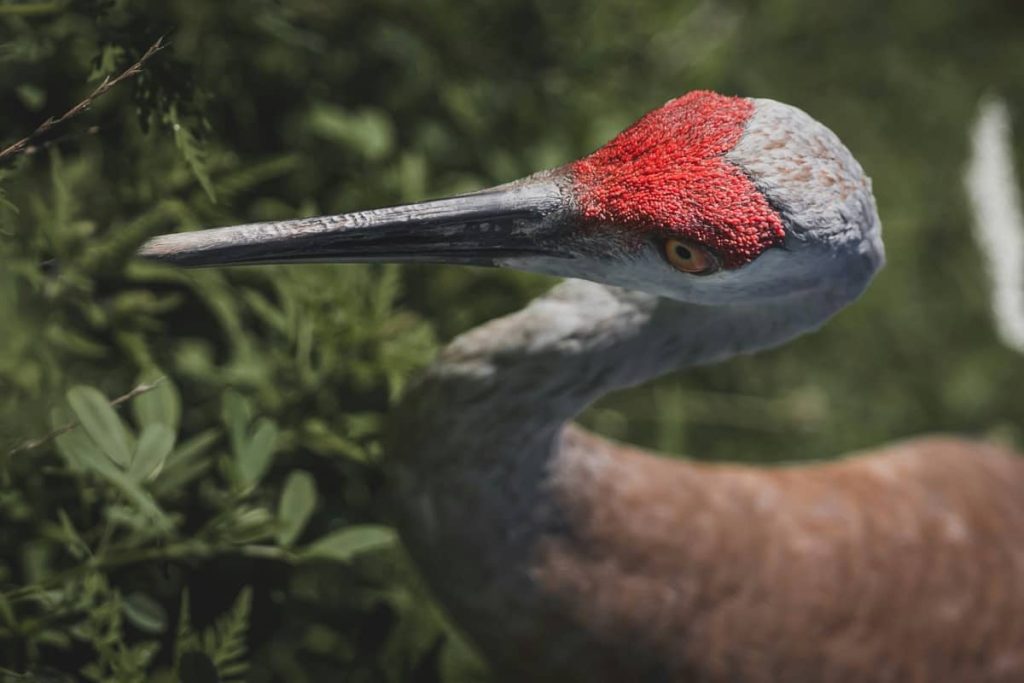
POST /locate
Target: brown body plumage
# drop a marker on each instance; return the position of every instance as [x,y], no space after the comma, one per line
[903,564]
[567,557]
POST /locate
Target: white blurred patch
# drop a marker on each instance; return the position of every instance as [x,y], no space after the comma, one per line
[994,194]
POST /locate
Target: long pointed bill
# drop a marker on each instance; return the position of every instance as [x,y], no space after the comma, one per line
[517,220]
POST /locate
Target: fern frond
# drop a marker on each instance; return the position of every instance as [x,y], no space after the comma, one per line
[191,152]
[225,641]
[185,639]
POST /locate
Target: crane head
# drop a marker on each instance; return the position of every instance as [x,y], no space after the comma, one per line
[707,199]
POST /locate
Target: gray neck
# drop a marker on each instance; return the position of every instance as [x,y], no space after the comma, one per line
[499,395]
[583,340]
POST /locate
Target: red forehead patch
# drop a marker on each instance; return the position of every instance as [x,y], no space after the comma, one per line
[667,172]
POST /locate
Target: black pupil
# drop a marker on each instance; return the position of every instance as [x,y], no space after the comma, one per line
[683,252]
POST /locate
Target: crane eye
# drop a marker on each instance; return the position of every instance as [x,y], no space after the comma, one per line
[689,257]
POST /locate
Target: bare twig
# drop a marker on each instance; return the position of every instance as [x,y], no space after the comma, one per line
[103,88]
[64,429]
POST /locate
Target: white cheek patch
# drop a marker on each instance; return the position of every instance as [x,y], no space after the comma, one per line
[642,270]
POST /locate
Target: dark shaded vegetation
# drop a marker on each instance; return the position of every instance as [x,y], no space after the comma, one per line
[226,523]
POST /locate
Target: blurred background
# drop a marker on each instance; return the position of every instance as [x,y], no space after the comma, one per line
[222,521]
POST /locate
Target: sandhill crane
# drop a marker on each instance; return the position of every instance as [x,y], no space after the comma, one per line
[713,226]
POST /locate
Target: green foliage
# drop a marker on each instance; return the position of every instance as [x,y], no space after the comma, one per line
[220,650]
[298,500]
[191,152]
[348,543]
[224,520]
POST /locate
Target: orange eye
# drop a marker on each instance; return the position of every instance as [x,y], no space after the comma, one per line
[689,257]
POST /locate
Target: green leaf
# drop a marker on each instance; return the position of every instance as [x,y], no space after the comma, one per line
[75,446]
[73,542]
[298,500]
[258,451]
[155,444]
[187,461]
[144,613]
[318,436]
[348,543]
[134,493]
[101,422]
[76,343]
[236,414]
[250,525]
[90,458]
[162,404]
[193,448]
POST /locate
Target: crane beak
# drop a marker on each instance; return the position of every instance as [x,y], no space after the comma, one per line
[520,219]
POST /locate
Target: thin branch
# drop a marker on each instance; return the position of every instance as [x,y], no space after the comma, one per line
[64,429]
[103,88]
